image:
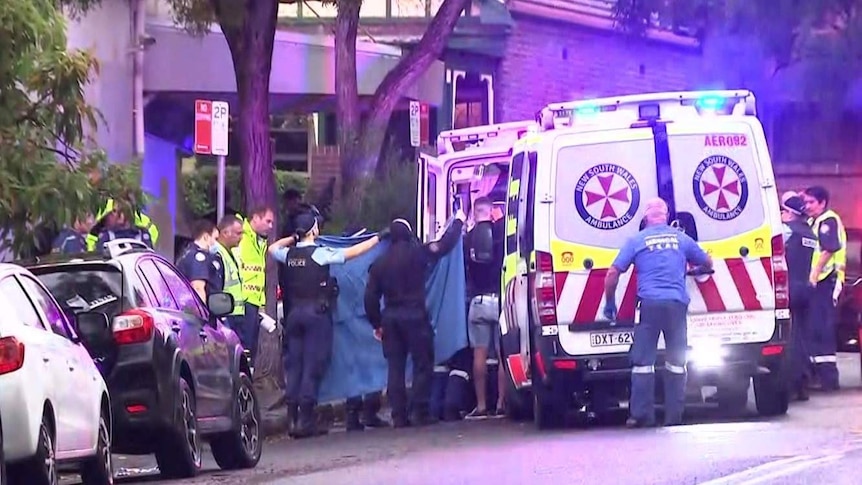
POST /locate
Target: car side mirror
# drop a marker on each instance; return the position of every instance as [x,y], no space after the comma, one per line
[93,328]
[220,304]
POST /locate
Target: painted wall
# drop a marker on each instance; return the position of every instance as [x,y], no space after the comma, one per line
[107,32]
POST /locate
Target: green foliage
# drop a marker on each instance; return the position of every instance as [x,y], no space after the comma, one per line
[50,171]
[200,188]
[391,195]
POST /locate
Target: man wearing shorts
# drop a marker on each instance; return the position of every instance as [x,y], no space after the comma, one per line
[483,247]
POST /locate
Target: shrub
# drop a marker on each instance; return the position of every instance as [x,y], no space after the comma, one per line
[201,188]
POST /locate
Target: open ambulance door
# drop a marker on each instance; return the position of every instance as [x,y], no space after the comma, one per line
[427,223]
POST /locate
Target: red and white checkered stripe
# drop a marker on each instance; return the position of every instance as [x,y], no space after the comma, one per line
[737,285]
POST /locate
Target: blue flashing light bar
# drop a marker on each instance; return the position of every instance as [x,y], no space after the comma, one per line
[711,102]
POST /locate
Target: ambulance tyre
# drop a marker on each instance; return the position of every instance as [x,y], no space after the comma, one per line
[733,398]
[771,395]
[517,402]
[549,410]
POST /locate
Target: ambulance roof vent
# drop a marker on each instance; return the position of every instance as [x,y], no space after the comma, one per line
[119,247]
[502,135]
[647,107]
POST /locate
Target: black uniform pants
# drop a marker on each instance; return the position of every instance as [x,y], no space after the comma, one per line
[407,331]
[367,405]
[800,330]
[307,350]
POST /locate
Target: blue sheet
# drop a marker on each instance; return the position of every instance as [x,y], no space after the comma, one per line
[358,366]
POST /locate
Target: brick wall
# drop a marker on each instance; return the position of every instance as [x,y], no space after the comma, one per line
[551,61]
[324,164]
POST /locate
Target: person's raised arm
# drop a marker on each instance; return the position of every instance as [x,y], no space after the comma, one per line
[621,264]
[279,249]
[438,249]
[361,248]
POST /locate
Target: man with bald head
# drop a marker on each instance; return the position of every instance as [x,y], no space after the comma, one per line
[660,254]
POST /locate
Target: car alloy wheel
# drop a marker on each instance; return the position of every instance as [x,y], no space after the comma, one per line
[191,427]
[105,450]
[50,459]
[249,422]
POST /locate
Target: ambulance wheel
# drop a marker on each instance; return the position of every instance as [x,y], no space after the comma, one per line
[771,395]
[517,402]
[548,411]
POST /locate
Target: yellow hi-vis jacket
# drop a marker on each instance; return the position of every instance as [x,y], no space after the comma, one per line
[838,262]
[251,255]
[141,220]
[232,279]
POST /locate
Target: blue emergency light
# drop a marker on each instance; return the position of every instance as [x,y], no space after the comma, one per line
[587,110]
[711,102]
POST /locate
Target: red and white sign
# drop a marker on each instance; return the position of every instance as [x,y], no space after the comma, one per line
[203,127]
[424,127]
[212,119]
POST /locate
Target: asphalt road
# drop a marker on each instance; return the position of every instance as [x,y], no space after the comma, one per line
[818,442]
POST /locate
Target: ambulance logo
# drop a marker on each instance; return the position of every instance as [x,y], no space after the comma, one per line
[607,196]
[720,188]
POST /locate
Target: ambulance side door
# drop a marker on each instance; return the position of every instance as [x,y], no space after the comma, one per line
[427,219]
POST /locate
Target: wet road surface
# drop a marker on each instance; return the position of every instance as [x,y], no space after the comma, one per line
[817,442]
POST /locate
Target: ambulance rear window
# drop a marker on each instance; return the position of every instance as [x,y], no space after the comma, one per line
[716,180]
[600,189]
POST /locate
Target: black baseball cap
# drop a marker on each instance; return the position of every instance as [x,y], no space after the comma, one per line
[305,221]
[795,205]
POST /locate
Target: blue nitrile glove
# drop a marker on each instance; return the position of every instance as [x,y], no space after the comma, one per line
[610,311]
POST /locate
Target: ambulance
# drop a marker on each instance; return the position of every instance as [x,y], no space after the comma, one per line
[577,188]
[470,163]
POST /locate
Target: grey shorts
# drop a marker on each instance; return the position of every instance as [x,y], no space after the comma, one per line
[483,320]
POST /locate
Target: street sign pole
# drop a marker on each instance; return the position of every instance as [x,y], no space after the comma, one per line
[220,128]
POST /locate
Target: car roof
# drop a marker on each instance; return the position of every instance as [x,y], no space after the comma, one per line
[56,260]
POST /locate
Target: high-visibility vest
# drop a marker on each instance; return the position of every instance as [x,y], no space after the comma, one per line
[837,263]
[251,255]
[232,280]
[141,220]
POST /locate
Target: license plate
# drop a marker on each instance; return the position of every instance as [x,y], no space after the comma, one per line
[608,339]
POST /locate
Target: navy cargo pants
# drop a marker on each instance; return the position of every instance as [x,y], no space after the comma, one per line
[823,346]
[307,349]
[657,317]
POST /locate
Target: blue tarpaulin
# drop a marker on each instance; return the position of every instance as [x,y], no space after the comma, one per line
[358,366]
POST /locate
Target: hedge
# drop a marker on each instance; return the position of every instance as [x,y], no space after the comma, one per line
[201,188]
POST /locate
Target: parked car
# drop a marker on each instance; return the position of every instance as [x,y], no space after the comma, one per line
[177,375]
[850,303]
[55,402]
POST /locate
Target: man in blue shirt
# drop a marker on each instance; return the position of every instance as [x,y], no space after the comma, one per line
[198,264]
[660,254]
[73,240]
[308,331]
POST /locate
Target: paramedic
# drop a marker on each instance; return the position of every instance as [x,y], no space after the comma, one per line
[116,225]
[73,240]
[197,263]
[227,267]
[251,256]
[398,277]
[827,278]
[799,245]
[659,254]
[483,248]
[308,328]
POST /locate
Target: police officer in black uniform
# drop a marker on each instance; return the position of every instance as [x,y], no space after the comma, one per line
[799,244]
[398,277]
[73,240]
[116,225]
[308,324]
[198,264]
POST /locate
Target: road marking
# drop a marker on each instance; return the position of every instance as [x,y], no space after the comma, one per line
[774,469]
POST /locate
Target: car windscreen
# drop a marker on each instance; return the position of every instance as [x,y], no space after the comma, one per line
[76,288]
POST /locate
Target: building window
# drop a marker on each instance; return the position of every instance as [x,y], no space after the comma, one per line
[472,101]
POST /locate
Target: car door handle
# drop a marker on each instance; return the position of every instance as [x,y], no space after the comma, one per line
[203,335]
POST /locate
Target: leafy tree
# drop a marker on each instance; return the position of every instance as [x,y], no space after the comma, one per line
[820,38]
[51,173]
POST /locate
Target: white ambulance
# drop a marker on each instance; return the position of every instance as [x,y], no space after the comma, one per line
[470,163]
[577,189]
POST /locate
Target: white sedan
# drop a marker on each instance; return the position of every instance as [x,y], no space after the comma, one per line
[54,402]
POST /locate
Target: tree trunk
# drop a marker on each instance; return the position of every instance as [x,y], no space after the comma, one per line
[359,158]
[251,40]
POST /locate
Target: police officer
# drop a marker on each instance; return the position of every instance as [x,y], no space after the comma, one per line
[308,325]
[116,225]
[660,254]
[799,245]
[398,277]
[141,225]
[827,274]
[73,240]
[197,262]
[227,278]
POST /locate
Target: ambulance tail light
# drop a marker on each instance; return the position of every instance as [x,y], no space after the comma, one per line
[544,299]
[779,274]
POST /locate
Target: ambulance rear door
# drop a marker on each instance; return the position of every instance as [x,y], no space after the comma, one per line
[722,186]
[429,171]
[599,181]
